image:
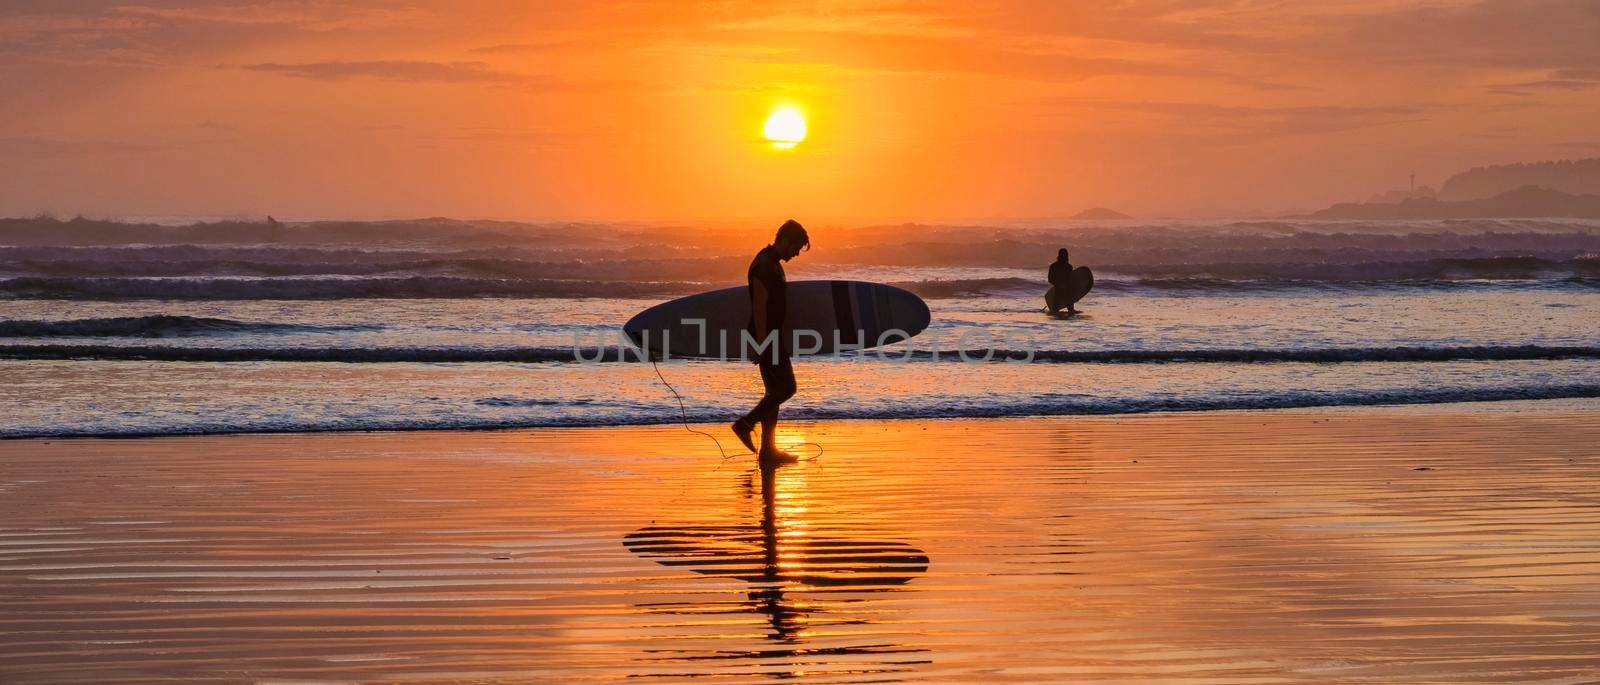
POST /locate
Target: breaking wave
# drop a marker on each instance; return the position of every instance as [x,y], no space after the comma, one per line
[1376,268]
[1262,356]
[159,326]
[978,287]
[349,355]
[450,287]
[1045,405]
[616,354]
[1182,257]
[415,287]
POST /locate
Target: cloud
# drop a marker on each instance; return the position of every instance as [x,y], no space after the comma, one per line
[1560,79]
[308,15]
[1485,33]
[530,137]
[1274,40]
[525,48]
[932,56]
[41,148]
[1547,84]
[861,21]
[107,33]
[408,71]
[1250,124]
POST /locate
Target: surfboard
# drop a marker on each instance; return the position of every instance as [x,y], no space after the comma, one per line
[827,316]
[1079,283]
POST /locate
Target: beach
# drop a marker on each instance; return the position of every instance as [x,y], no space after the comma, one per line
[1186,343]
[1431,544]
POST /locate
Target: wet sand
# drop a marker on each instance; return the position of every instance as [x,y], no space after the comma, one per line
[1438,545]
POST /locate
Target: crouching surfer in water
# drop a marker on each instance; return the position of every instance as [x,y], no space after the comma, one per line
[768,309]
[1059,271]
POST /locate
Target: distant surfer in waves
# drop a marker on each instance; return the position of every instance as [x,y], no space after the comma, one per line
[768,306]
[1060,270]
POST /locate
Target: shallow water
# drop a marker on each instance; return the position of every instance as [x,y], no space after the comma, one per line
[1323,546]
[411,325]
[1129,353]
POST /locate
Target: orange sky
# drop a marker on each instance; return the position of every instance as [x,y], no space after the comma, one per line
[653,110]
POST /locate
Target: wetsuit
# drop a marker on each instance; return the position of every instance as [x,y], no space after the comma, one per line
[777,374]
[1060,269]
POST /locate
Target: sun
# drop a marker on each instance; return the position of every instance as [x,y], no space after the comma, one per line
[785,127]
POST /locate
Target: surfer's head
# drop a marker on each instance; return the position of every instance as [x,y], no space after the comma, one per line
[1061,255]
[791,238]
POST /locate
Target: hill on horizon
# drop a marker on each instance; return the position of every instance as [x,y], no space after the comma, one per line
[1523,203]
[1577,177]
[1099,213]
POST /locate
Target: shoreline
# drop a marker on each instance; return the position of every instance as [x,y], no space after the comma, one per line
[1492,405]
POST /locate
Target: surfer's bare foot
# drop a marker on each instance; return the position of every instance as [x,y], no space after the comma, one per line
[742,429]
[777,456]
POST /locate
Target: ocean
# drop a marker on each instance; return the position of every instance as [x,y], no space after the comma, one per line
[154,330]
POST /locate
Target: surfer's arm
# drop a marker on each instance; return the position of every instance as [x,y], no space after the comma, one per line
[758,308]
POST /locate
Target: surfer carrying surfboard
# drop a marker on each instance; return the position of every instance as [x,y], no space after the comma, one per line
[1059,270]
[1067,285]
[768,311]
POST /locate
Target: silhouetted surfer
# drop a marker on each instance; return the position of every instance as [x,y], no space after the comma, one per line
[768,310]
[1059,271]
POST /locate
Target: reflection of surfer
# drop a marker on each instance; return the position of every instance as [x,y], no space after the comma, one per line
[768,310]
[1060,270]
[780,558]
[787,619]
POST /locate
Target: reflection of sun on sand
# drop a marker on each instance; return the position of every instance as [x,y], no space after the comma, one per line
[1294,546]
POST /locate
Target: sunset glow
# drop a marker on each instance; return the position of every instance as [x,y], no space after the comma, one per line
[524,110]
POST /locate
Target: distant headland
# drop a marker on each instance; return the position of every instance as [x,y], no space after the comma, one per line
[1524,202]
[1099,213]
[1577,177]
[1565,188]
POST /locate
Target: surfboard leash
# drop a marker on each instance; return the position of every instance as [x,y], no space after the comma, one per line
[683,415]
